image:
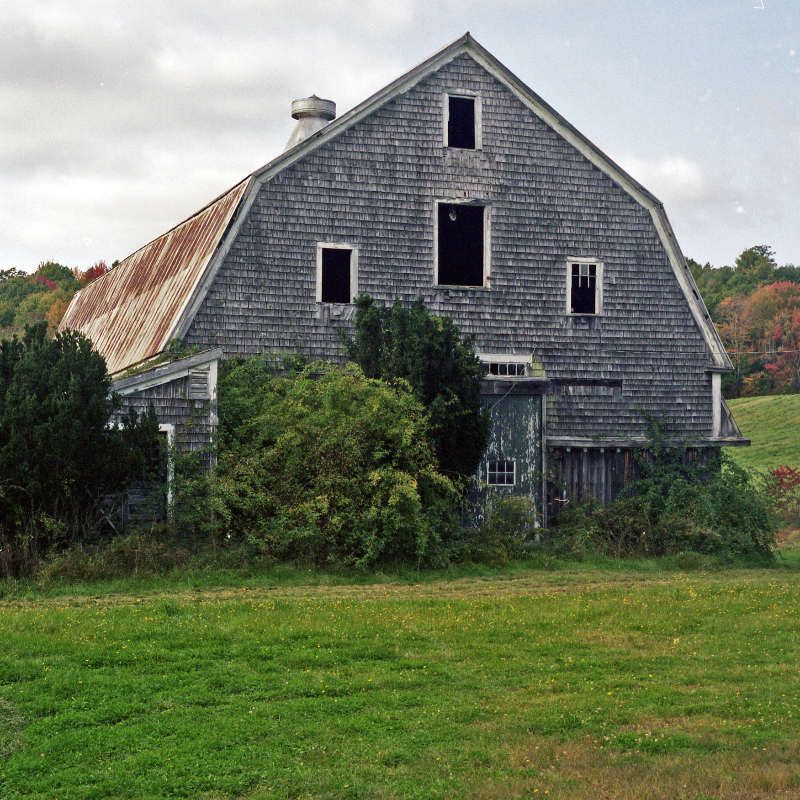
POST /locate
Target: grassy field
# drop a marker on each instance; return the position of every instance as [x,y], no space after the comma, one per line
[773,425]
[570,683]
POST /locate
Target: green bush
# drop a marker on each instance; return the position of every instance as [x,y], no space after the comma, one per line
[442,369]
[60,461]
[330,468]
[507,531]
[677,506]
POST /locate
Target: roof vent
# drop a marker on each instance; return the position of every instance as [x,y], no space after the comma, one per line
[312,114]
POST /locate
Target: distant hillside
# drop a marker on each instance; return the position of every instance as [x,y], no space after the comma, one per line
[773,425]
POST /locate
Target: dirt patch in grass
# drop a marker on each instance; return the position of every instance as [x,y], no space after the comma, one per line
[579,770]
[11,727]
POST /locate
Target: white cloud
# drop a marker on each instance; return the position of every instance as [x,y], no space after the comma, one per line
[677,177]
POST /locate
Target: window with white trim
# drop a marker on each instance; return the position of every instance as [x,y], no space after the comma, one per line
[505,369]
[506,365]
[501,473]
[337,273]
[461,244]
[462,117]
[584,286]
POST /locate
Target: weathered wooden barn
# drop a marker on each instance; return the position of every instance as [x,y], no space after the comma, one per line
[458,184]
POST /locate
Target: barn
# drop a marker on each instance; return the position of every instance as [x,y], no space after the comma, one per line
[458,184]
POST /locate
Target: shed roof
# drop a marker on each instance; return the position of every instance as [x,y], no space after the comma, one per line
[130,313]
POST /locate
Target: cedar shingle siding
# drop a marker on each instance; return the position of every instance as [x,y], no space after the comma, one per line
[374,187]
[370,180]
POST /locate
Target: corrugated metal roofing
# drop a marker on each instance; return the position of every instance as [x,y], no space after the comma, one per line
[131,312]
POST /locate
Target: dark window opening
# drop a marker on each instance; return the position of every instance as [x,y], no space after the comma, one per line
[501,473]
[461,122]
[507,370]
[460,246]
[336,275]
[583,289]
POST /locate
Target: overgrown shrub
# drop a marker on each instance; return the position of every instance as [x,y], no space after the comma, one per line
[676,506]
[60,461]
[783,490]
[442,369]
[509,527]
[330,468]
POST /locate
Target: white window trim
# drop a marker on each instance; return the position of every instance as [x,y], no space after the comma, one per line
[487,237]
[506,358]
[501,461]
[169,429]
[598,305]
[478,117]
[353,268]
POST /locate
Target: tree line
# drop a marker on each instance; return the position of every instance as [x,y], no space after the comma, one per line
[755,305]
[43,296]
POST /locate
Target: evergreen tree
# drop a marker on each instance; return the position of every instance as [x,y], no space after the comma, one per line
[442,369]
[59,458]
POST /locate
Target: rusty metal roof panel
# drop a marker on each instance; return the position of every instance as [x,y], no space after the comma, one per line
[131,312]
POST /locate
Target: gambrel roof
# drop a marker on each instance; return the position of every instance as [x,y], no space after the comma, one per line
[153,295]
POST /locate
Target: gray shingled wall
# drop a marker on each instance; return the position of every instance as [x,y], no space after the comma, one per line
[374,187]
[191,418]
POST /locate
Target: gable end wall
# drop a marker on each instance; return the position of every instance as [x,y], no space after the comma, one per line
[374,187]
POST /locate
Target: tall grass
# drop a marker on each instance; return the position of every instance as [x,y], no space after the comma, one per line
[521,684]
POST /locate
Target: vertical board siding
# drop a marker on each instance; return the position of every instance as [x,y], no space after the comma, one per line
[516,435]
[579,474]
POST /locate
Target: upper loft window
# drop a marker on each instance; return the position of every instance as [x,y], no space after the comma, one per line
[506,365]
[462,122]
[504,369]
[584,287]
[461,234]
[336,273]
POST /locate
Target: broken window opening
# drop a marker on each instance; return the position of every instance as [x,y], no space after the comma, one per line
[461,122]
[503,369]
[336,273]
[460,247]
[501,473]
[583,289]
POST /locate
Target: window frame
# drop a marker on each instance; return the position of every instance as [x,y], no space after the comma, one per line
[487,249]
[321,247]
[598,288]
[504,471]
[478,118]
[495,359]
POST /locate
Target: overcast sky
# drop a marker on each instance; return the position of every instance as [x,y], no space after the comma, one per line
[120,119]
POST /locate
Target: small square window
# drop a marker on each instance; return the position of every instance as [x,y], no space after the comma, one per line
[460,248]
[501,473]
[584,287]
[336,273]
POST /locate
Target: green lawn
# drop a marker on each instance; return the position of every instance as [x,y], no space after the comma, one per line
[565,684]
[773,425]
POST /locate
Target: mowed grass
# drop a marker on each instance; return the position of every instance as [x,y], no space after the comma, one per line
[567,684]
[773,425]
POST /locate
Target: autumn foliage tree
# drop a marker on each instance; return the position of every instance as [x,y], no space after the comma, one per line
[761,331]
